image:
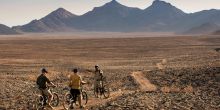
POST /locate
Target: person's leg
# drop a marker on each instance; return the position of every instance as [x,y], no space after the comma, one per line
[99,87]
[72,92]
[74,98]
[96,87]
[49,95]
[80,98]
[42,93]
[44,99]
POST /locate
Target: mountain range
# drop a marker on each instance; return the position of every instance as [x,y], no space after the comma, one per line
[216,32]
[115,17]
[5,30]
[205,28]
[55,21]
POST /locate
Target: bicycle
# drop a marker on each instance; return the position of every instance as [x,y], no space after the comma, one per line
[41,101]
[68,98]
[102,89]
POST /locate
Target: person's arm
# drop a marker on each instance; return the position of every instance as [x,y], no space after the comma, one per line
[94,74]
[52,84]
[49,82]
[101,74]
[37,82]
[69,81]
[82,82]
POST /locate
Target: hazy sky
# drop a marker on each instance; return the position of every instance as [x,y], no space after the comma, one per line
[19,12]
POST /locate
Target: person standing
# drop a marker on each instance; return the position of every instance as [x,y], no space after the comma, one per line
[75,82]
[42,83]
[98,77]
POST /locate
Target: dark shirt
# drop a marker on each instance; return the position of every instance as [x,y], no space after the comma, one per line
[41,81]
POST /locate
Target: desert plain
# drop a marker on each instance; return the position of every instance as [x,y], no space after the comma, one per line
[185,70]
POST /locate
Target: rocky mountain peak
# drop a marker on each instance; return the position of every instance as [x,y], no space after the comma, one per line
[61,13]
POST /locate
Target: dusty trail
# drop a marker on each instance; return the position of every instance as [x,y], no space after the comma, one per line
[144,83]
[97,101]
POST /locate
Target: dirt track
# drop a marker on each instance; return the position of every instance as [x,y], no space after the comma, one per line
[144,83]
[97,101]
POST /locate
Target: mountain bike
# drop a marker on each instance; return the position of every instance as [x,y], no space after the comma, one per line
[102,89]
[42,100]
[69,100]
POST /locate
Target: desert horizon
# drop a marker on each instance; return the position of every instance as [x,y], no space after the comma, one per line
[118,55]
[113,16]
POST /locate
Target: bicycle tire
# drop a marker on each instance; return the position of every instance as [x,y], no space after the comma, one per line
[84,98]
[38,104]
[106,91]
[67,100]
[55,101]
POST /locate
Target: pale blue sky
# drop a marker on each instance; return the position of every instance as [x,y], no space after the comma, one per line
[19,12]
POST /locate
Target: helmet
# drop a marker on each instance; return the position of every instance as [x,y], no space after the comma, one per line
[96,65]
[43,70]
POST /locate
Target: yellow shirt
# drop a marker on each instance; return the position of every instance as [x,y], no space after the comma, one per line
[75,81]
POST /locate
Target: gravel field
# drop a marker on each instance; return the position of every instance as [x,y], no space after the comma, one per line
[186,88]
[185,69]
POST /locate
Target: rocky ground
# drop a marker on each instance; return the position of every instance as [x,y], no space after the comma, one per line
[176,64]
[179,89]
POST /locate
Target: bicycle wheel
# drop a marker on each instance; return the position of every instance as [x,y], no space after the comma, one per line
[55,101]
[106,91]
[67,100]
[84,98]
[39,103]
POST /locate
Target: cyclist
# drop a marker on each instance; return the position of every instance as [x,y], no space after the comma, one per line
[42,82]
[75,81]
[97,78]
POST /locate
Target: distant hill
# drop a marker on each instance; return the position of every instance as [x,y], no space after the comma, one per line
[5,30]
[115,17]
[159,16]
[217,32]
[197,19]
[112,16]
[58,20]
[205,28]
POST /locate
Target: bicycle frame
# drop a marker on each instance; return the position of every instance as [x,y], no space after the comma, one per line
[68,98]
[44,98]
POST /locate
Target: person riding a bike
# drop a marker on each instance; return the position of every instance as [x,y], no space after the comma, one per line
[42,82]
[98,77]
[75,82]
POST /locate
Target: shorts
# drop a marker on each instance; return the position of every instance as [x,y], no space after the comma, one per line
[46,92]
[97,84]
[75,92]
